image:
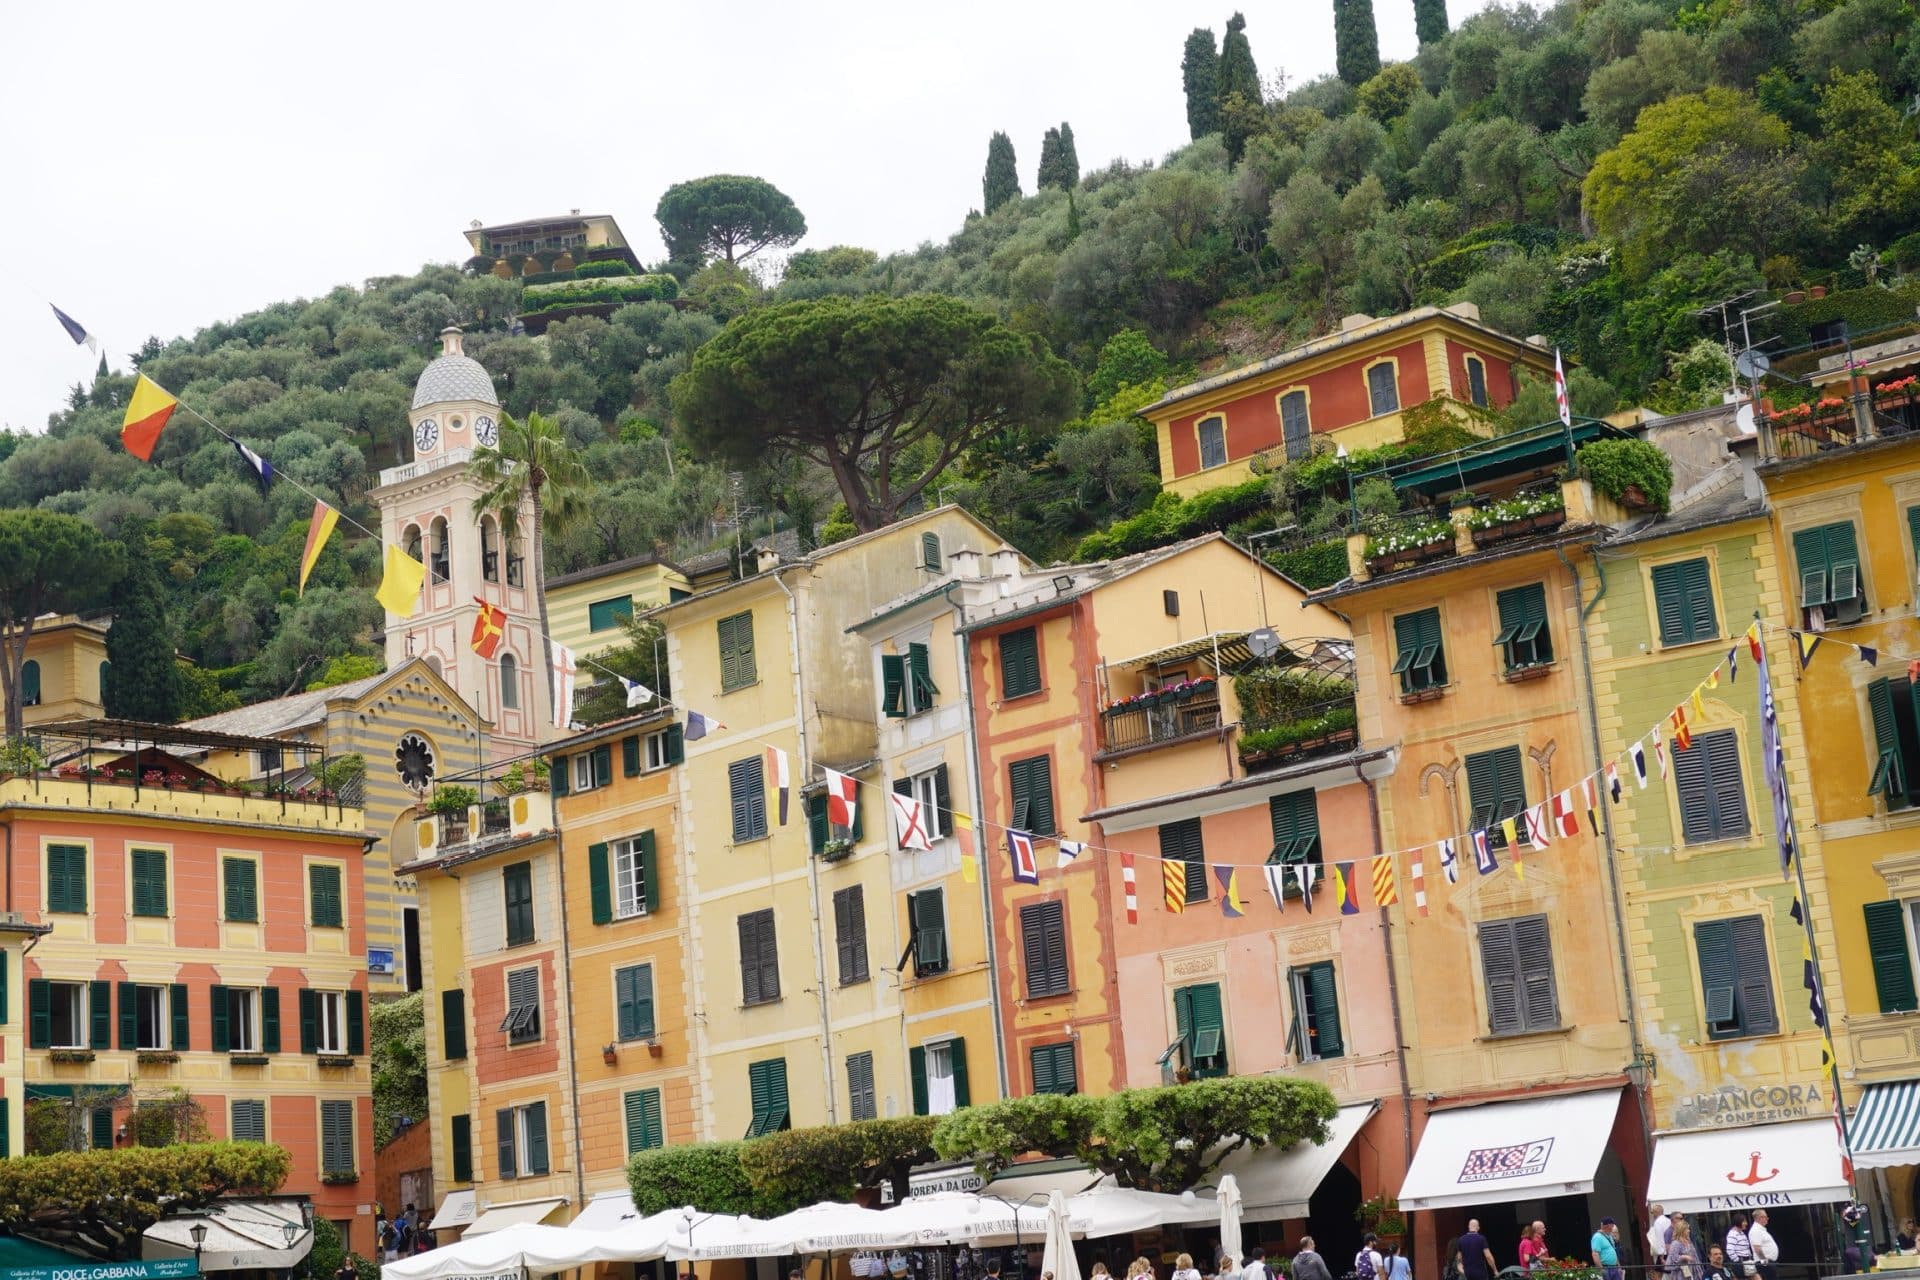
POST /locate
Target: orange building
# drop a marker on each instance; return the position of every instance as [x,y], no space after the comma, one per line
[208,944]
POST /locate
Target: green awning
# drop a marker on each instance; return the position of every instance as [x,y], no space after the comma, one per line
[1534,449]
[16,1251]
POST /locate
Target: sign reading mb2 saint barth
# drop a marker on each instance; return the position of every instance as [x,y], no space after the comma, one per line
[154,1269]
[1521,1160]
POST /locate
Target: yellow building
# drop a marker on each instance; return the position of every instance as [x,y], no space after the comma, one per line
[803,1020]
[64,671]
[16,935]
[412,730]
[585,609]
[558,243]
[1346,390]
[1846,519]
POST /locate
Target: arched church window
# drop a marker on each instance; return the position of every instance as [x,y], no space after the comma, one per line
[489,549]
[509,682]
[442,555]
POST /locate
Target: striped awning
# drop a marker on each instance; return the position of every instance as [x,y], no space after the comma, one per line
[1885,1131]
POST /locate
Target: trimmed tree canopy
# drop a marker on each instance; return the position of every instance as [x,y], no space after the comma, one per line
[885,392]
[726,216]
[706,1175]
[832,1162]
[1166,1139]
[101,1202]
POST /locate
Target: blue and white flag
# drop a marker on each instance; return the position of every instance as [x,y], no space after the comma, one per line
[261,468]
[76,330]
[1069,850]
[699,726]
[637,694]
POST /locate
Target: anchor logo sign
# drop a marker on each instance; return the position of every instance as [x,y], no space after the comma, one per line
[1754,1177]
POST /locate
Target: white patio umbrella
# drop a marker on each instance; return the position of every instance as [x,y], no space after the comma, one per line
[705,1237]
[1113,1211]
[960,1217]
[1229,1198]
[1057,1260]
[825,1228]
[531,1246]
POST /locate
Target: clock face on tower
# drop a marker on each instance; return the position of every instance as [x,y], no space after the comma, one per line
[426,435]
[486,432]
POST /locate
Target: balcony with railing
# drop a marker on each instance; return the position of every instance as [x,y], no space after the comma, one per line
[1174,713]
[1296,702]
[425,466]
[469,814]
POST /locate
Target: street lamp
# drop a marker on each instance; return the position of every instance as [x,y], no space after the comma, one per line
[199,1233]
[1018,1247]
[293,1232]
[688,1215]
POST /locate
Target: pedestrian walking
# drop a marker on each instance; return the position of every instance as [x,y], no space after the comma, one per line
[1474,1254]
[1659,1234]
[1183,1268]
[1367,1264]
[1766,1252]
[1533,1246]
[1398,1267]
[1683,1260]
[1308,1264]
[1256,1268]
[1739,1250]
[1605,1247]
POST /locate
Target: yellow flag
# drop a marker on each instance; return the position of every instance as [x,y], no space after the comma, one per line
[1713,678]
[400,584]
[970,868]
[324,520]
[1699,703]
[962,821]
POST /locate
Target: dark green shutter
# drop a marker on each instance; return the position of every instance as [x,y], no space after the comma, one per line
[149,882]
[818,833]
[503,1128]
[942,801]
[101,1120]
[1053,1069]
[39,1013]
[1889,770]
[269,1020]
[747,790]
[557,779]
[129,997]
[461,1139]
[1032,790]
[1500,969]
[633,1000]
[6,1129]
[1020,663]
[630,755]
[927,913]
[957,1060]
[1753,972]
[1326,1011]
[1419,658]
[737,667]
[309,1023]
[182,1025]
[6,1001]
[917,1067]
[1683,601]
[1887,945]
[217,1005]
[323,886]
[1523,631]
[602,765]
[356,1023]
[642,1112]
[893,685]
[921,690]
[1205,1029]
[600,883]
[243,904]
[1713,942]
[649,874]
[453,1024]
[676,744]
[67,879]
[100,1015]
[930,552]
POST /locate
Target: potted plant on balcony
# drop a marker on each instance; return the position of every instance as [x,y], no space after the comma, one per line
[450,803]
[1409,544]
[1520,514]
[1635,474]
[1898,391]
[1382,1216]
[838,849]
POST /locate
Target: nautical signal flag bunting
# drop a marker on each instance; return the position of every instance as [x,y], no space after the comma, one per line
[147,414]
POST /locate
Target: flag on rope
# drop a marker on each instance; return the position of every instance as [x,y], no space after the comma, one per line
[1385,891]
[76,331]
[1276,873]
[909,823]
[843,804]
[489,629]
[1592,796]
[1484,859]
[1020,851]
[1510,830]
[1450,861]
[1517,840]
[1230,905]
[1417,872]
[1637,754]
[699,726]
[1699,701]
[1773,763]
[1799,916]
[1613,783]
[1069,850]
[1733,665]
[1303,876]
[400,583]
[1345,891]
[1807,644]
[638,695]
[565,672]
[261,468]
[782,775]
[1682,735]
[1539,833]
[1868,654]
[1811,981]
[960,821]
[1565,819]
[1660,751]
[969,867]
[1173,884]
[147,414]
[1560,390]
[1753,640]
[318,531]
[1130,886]
[1713,678]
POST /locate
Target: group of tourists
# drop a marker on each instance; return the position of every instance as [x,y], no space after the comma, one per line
[1747,1251]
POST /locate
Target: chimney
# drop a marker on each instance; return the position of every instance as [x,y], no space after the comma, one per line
[1005,562]
[450,341]
[765,558]
[1465,310]
[1358,320]
[965,563]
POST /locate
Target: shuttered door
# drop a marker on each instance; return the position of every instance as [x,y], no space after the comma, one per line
[1892,961]
[1043,944]
[1754,976]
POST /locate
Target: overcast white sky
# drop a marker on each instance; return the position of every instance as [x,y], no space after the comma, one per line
[166,166]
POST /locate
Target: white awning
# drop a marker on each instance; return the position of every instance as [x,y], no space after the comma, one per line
[606,1211]
[1750,1167]
[1501,1152]
[459,1209]
[511,1215]
[1886,1126]
[242,1235]
[1041,1177]
[1278,1183]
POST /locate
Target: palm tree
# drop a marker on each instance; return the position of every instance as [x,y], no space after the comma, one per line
[532,464]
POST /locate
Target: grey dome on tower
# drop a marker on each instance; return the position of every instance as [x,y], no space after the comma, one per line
[453,375]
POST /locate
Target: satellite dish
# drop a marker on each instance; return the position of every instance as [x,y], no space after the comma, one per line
[1751,363]
[1263,643]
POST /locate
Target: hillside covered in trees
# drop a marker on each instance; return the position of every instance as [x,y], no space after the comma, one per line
[1596,171]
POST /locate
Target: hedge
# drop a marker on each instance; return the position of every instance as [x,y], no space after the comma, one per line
[604,267]
[575,293]
[1172,518]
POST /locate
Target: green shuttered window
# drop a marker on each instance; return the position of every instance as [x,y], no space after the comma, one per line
[240,876]
[862,1099]
[607,615]
[939,1072]
[1683,599]
[1828,561]
[516,882]
[1295,819]
[1030,782]
[1736,978]
[1516,961]
[323,888]
[767,1090]
[1420,659]
[460,1148]
[1524,637]
[1892,960]
[927,918]
[633,1002]
[1020,663]
[644,1129]
[336,1136]
[1315,1032]
[1053,1068]
[249,1120]
[930,558]
[1713,796]
[1202,1027]
[453,1024]
[759,958]
[1043,944]
[1496,789]
[67,878]
[1892,708]
[747,786]
[737,665]
[1181,841]
[850,932]
[149,882]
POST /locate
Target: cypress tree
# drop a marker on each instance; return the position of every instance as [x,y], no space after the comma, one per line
[1237,72]
[1430,20]
[1073,218]
[1002,180]
[1049,174]
[1356,41]
[142,680]
[1059,165]
[1069,159]
[1200,75]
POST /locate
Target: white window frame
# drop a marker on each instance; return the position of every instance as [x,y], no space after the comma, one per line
[941,1099]
[523,1141]
[582,766]
[151,999]
[656,755]
[1299,987]
[243,1020]
[1911,918]
[629,898]
[74,997]
[330,1022]
[929,797]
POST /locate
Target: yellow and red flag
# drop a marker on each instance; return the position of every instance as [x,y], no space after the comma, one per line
[1385,891]
[147,414]
[324,519]
[1173,884]
[489,628]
